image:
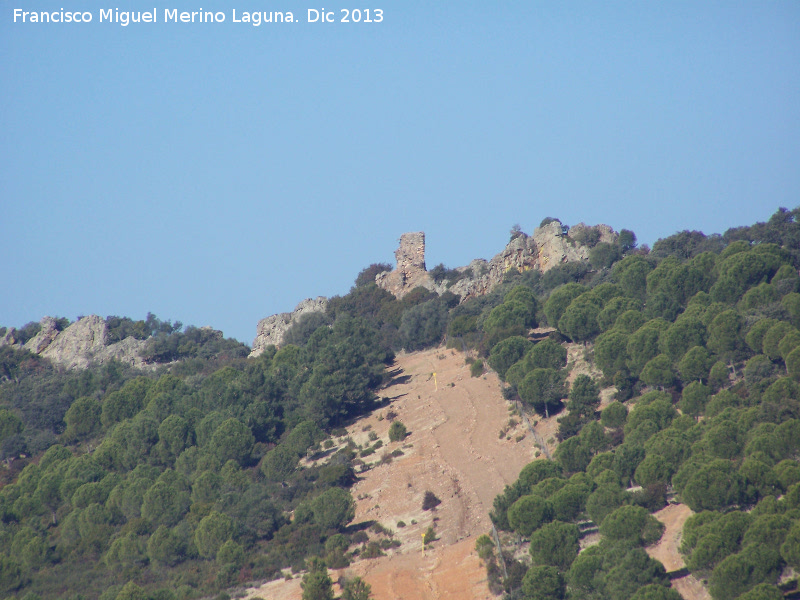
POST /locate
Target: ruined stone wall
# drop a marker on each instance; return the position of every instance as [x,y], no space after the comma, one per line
[410,271]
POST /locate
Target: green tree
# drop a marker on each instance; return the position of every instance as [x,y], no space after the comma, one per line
[166,547]
[356,589]
[656,592]
[586,577]
[543,583]
[333,509]
[633,524]
[506,353]
[603,501]
[724,334]
[793,364]
[629,321]
[731,578]
[232,440]
[529,513]
[547,354]
[542,388]
[174,435]
[10,424]
[643,344]
[763,591]
[279,463]
[695,364]
[631,275]
[713,487]
[82,418]
[579,320]
[231,553]
[559,300]
[167,500]
[397,432]
[126,402]
[423,325]
[658,372]
[694,398]
[317,584]
[613,309]
[131,591]
[719,376]
[634,571]
[610,352]
[682,335]
[584,397]
[755,337]
[212,532]
[614,415]
[573,455]
[791,302]
[555,544]
[569,502]
[790,549]
[653,469]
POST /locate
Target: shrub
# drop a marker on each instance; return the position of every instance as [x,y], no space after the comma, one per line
[429,537]
[476,370]
[397,432]
[430,501]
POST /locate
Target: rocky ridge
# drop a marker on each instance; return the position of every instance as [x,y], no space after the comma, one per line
[549,246]
[83,343]
[271,331]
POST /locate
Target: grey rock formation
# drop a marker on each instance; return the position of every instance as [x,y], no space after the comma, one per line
[38,343]
[548,247]
[270,331]
[83,343]
[520,253]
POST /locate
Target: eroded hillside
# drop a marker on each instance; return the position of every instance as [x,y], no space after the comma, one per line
[454,450]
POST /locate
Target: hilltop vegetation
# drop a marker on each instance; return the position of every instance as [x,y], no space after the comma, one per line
[186,480]
[700,337]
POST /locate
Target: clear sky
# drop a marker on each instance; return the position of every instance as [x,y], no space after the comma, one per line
[217,173]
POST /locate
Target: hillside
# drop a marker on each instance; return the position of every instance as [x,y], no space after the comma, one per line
[657,458]
[453,450]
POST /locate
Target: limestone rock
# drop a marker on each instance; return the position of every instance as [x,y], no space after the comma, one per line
[520,253]
[548,247]
[270,331]
[410,272]
[46,335]
[555,247]
[84,343]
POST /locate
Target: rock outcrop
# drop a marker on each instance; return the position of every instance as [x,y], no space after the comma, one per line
[79,345]
[549,247]
[271,331]
[556,247]
[49,331]
[410,272]
[520,253]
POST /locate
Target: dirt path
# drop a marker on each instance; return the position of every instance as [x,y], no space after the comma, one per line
[455,451]
[673,517]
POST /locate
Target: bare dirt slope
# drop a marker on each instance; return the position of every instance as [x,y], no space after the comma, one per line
[673,517]
[455,451]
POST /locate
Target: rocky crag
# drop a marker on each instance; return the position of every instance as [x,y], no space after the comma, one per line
[271,331]
[83,343]
[549,246]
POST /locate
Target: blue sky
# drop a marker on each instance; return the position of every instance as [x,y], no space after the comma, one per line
[217,173]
